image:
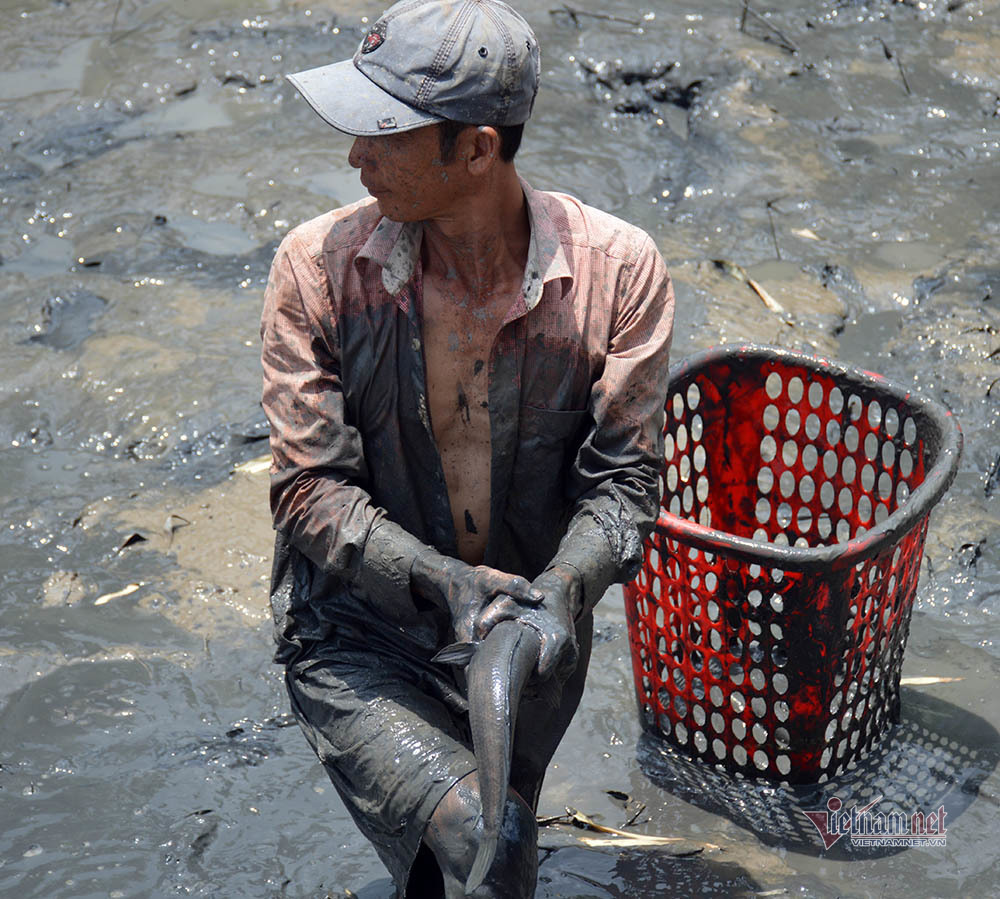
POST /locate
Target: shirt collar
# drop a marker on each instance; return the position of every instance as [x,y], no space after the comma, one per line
[395,247]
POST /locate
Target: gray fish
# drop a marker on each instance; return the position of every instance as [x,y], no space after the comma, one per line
[499,667]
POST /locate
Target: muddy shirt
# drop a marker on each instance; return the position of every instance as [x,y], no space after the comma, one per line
[577,382]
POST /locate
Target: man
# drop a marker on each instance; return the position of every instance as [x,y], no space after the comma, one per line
[465,381]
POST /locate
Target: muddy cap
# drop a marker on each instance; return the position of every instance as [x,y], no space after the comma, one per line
[472,61]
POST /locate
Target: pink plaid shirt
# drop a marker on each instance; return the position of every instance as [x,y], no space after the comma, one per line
[577,382]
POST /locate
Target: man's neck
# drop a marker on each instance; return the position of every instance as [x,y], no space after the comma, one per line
[483,242]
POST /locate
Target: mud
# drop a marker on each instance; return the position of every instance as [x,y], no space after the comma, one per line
[842,154]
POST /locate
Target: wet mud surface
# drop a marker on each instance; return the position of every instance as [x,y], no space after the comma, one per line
[841,155]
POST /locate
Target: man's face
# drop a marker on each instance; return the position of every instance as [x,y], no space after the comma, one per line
[405,174]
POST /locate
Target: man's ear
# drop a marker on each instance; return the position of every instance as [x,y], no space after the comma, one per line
[483,150]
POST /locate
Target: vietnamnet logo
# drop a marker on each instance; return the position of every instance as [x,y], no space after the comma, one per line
[867,827]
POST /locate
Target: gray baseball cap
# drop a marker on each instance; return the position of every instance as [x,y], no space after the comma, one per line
[472,61]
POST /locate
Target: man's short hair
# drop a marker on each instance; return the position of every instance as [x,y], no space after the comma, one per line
[448,132]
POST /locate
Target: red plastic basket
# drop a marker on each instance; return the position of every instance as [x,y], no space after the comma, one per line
[768,622]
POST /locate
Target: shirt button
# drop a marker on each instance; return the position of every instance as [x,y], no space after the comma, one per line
[416,344]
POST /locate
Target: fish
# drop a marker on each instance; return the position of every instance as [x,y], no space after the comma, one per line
[498,669]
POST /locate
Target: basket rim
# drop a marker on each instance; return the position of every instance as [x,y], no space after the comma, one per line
[856,550]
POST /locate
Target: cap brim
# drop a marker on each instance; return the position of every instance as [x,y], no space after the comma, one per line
[350,102]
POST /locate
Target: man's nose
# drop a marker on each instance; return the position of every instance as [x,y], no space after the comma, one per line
[360,152]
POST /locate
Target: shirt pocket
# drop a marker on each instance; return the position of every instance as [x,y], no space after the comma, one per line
[548,442]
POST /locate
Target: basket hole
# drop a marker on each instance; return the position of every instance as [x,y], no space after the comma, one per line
[738,728]
[804,520]
[810,457]
[902,493]
[779,656]
[813,426]
[787,483]
[711,582]
[777,575]
[756,652]
[793,421]
[715,668]
[758,706]
[754,597]
[888,454]
[668,446]
[693,396]
[781,738]
[830,463]
[854,407]
[824,759]
[679,680]
[905,463]
[852,438]
[699,457]
[771,417]
[845,501]
[761,760]
[715,641]
[759,733]
[795,389]
[864,508]
[849,470]
[831,730]
[763,510]
[701,489]
[868,478]
[680,706]
[705,517]
[700,741]
[736,674]
[836,401]
[789,452]
[739,755]
[684,468]
[738,702]
[675,506]
[891,422]
[833,432]
[681,733]
[871,447]
[781,709]
[681,436]
[697,662]
[715,694]
[735,646]
[815,394]
[776,631]
[761,536]
[697,688]
[784,515]
[719,748]
[688,498]
[772,385]
[757,678]
[777,602]
[909,431]
[755,628]
[874,414]
[765,480]
[768,448]
[782,763]
[712,607]
[678,406]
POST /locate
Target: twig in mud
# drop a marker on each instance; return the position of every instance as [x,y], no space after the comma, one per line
[770,218]
[114,19]
[638,812]
[899,64]
[783,41]
[575,15]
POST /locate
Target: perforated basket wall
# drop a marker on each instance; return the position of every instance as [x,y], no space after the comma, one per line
[768,622]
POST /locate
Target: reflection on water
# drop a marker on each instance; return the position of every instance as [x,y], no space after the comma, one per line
[843,154]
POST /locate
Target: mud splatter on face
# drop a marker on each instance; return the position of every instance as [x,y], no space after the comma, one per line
[478,367]
[470,525]
[463,405]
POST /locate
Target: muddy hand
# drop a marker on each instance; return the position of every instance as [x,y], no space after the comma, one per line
[466,591]
[553,620]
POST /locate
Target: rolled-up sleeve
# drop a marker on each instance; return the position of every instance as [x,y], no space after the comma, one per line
[318,498]
[617,469]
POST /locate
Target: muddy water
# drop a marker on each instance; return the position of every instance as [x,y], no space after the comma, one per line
[844,154]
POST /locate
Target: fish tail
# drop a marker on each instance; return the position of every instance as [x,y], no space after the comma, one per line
[480,867]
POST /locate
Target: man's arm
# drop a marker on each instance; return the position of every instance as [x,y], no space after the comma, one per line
[318,496]
[617,469]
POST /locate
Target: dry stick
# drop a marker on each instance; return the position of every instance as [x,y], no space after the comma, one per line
[784,42]
[574,14]
[770,218]
[899,64]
